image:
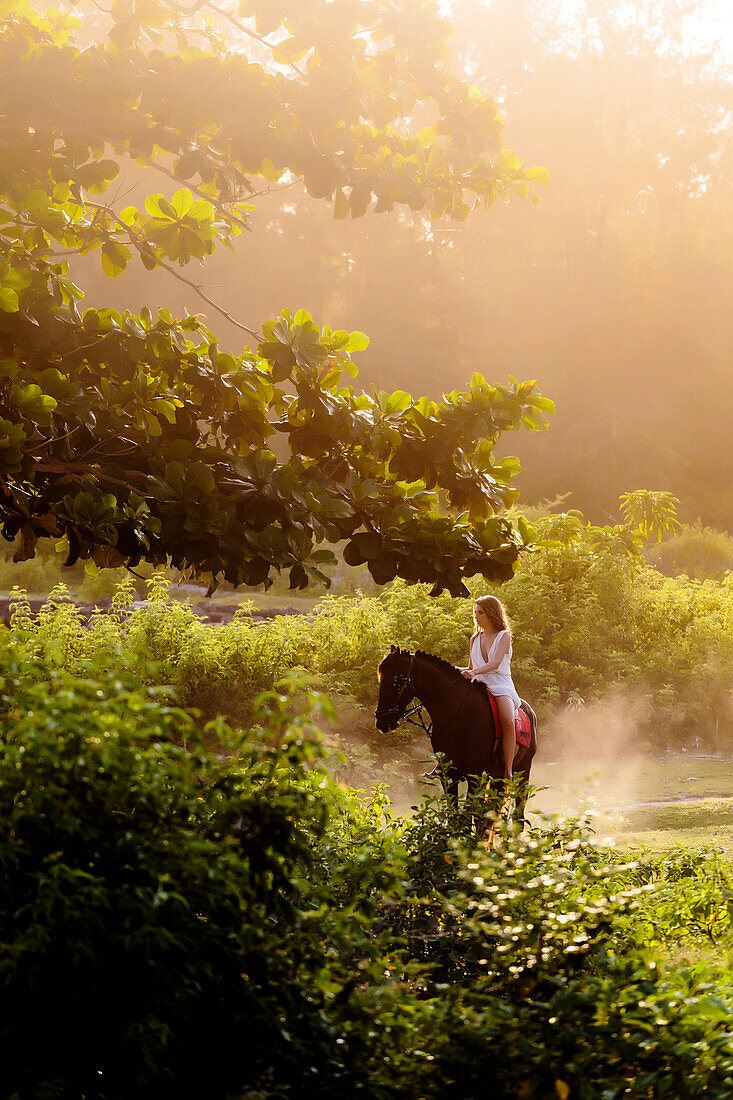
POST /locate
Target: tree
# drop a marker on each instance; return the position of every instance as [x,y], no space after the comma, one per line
[628,266]
[613,288]
[136,437]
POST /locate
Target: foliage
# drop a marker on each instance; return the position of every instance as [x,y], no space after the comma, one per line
[46,570]
[615,284]
[542,980]
[691,900]
[696,551]
[159,902]
[652,514]
[589,616]
[239,922]
[136,437]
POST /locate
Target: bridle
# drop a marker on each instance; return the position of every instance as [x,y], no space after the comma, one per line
[403,683]
[415,714]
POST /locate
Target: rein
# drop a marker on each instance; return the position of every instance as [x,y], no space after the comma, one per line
[419,710]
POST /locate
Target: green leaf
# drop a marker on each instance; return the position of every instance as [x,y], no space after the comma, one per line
[337,508]
[32,402]
[182,202]
[269,171]
[265,463]
[298,576]
[9,300]
[166,208]
[357,341]
[538,175]
[396,402]
[164,408]
[507,162]
[115,258]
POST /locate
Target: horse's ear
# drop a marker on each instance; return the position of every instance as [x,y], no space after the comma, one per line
[394,649]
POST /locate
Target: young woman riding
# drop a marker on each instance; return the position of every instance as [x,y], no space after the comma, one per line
[490,662]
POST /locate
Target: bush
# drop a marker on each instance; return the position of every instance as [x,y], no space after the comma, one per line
[179,921]
[696,551]
[539,973]
[590,619]
[173,922]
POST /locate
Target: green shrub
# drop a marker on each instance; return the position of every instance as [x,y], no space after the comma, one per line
[589,618]
[539,973]
[178,921]
[696,551]
[173,922]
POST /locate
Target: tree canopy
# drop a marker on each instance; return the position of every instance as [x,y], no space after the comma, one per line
[610,292]
[137,437]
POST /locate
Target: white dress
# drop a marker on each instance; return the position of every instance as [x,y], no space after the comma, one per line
[499,682]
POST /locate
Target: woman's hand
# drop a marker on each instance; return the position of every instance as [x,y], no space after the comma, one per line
[467,673]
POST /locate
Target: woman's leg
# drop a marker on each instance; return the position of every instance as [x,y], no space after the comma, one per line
[507,714]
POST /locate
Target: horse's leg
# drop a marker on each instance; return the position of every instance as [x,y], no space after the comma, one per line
[520,800]
[495,801]
[526,757]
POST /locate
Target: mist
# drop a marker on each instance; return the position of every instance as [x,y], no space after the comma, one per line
[614,292]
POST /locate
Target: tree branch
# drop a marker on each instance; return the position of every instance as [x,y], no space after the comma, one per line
[140,248]
[252,34]
[75,468]
[218,204]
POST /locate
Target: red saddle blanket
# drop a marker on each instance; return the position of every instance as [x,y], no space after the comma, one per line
[523,727]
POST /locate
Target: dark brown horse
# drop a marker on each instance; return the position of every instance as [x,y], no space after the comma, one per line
[463,727]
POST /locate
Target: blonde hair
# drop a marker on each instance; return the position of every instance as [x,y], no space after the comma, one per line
[493,608]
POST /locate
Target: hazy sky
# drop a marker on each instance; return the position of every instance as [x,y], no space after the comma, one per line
[712,28]
[717,29]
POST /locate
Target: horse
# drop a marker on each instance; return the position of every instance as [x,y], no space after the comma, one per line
[463,726]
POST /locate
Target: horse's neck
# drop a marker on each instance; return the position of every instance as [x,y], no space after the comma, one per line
[431,682]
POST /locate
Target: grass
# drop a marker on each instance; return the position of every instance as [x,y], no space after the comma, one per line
[678,799]
[661,840]
[265,601]
[705,813]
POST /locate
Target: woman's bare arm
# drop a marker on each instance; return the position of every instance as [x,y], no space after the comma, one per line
[501,651]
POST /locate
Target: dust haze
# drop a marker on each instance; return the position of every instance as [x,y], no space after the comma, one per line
[605,760]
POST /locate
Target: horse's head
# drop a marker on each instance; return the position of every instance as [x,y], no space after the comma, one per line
[395,688]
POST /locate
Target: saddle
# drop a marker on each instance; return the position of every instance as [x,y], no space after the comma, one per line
[523,724]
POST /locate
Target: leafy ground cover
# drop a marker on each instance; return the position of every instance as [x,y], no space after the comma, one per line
[161,900]
[594,627]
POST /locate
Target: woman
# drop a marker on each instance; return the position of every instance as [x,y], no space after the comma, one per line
[490,662]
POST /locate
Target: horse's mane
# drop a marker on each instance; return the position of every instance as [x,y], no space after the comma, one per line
[440,662]
[435,660]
